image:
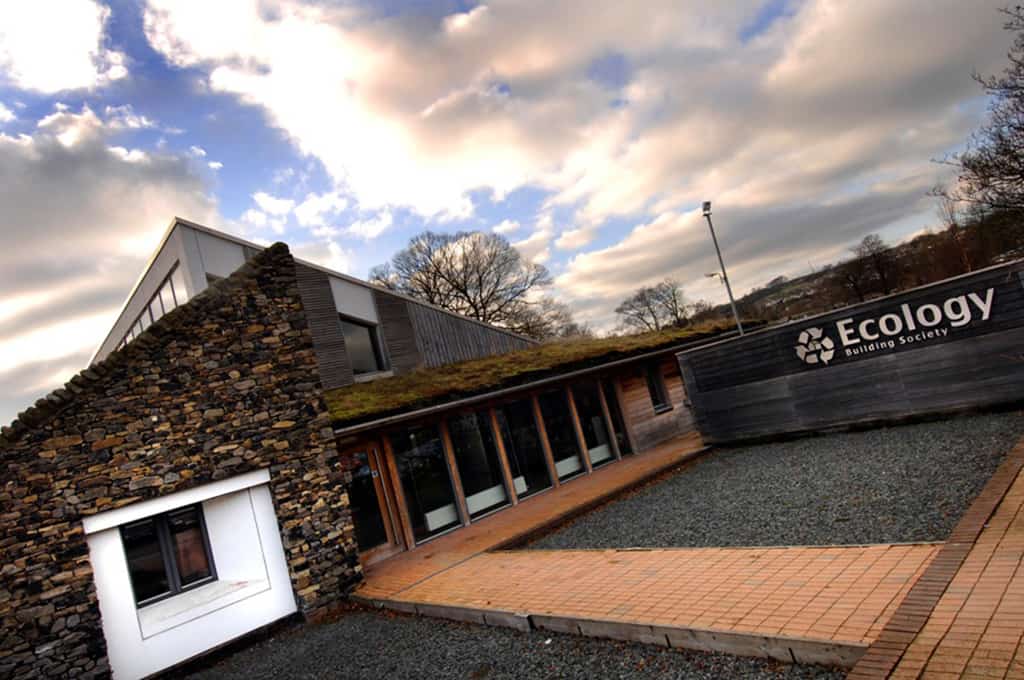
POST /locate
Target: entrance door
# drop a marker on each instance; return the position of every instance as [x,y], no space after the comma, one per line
[371,501]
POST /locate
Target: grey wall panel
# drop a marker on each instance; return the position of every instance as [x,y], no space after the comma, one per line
[760,386]
[325,325]
[397,331]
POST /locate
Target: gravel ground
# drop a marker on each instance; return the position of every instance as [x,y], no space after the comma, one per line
[373,645]
[889,485]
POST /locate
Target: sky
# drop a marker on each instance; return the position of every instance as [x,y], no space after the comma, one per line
[586,132]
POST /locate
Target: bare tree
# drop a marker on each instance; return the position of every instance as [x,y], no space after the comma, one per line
[653,308]
[875,253]
[952,219]
[991,169]
[476,274]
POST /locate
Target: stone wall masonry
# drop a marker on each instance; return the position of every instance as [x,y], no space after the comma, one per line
[224,385]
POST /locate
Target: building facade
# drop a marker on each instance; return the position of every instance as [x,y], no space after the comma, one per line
[197,483]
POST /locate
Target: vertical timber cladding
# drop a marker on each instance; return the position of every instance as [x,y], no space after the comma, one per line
[951,345]
[325,327]
[650,428]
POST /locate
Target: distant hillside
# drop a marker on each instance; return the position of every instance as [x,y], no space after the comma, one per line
[875,269]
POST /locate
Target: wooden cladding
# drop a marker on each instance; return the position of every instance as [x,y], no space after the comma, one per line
[325,327]
[444,338]
[647,427]
[420,335]
[950,346]
[398,332]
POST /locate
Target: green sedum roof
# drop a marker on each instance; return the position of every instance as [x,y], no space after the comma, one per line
[425,387]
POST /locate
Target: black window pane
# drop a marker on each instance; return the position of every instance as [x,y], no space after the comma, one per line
[189,547]
[595,431]
[145,560]
[366,514]
[656,387]
[476,455]
[554,407]
[615,409]
[423,471]
[361,346]
[523,447]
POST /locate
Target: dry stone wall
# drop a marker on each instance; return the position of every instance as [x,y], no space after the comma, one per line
[224,385]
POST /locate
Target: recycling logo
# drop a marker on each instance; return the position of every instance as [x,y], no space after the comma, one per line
[813,347]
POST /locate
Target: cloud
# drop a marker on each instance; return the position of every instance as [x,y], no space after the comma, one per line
[255,217]
[6,115]
[124,118]
[197,151]
[272,205]
[215,165]
[314,210]
[506,227]
[536,247]
[327,253]
[60,300]
[371,228]
[55,45]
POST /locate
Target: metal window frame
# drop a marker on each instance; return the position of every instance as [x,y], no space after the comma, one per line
[656,388]
[131,334]
[375,342]
[171,569]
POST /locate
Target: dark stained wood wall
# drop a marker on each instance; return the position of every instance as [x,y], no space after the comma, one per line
[420,335]
[647,427]
[325,326]
[397,332]
[757,386]
[444,338]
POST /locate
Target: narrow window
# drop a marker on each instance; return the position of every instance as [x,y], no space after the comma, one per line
[657,390]
[167,554]
[362,347]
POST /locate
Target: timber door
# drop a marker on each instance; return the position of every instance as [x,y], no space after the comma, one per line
[372,502]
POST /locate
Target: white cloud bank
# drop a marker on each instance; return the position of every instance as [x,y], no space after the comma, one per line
[83,215]
[55,45]
[832,104]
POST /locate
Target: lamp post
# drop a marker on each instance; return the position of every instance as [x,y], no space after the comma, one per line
[725,277]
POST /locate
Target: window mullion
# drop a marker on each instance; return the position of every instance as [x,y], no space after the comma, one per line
[170,562]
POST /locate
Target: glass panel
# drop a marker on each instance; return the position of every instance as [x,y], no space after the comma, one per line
[188,544]
[155,310]
[144,319]
[656,388]
[362,497]
[523,447]
[178,281]
[476,454]
[595,432]
[426,483]
[361,346]
[167,297]
[618,425]
[554,407]
[145,560]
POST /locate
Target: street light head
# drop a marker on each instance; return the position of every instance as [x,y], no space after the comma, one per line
[713,275]
[706,208]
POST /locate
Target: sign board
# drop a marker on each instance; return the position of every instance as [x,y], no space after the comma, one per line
[953,345]
[960,308]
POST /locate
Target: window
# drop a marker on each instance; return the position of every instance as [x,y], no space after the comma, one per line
[657,390]
[426,482]
[523,446]
[362,347]
[169,295]
[591,415]
[565,447]
[167,554]
[476,455]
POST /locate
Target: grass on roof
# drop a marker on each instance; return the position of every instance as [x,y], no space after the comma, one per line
[430,386]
